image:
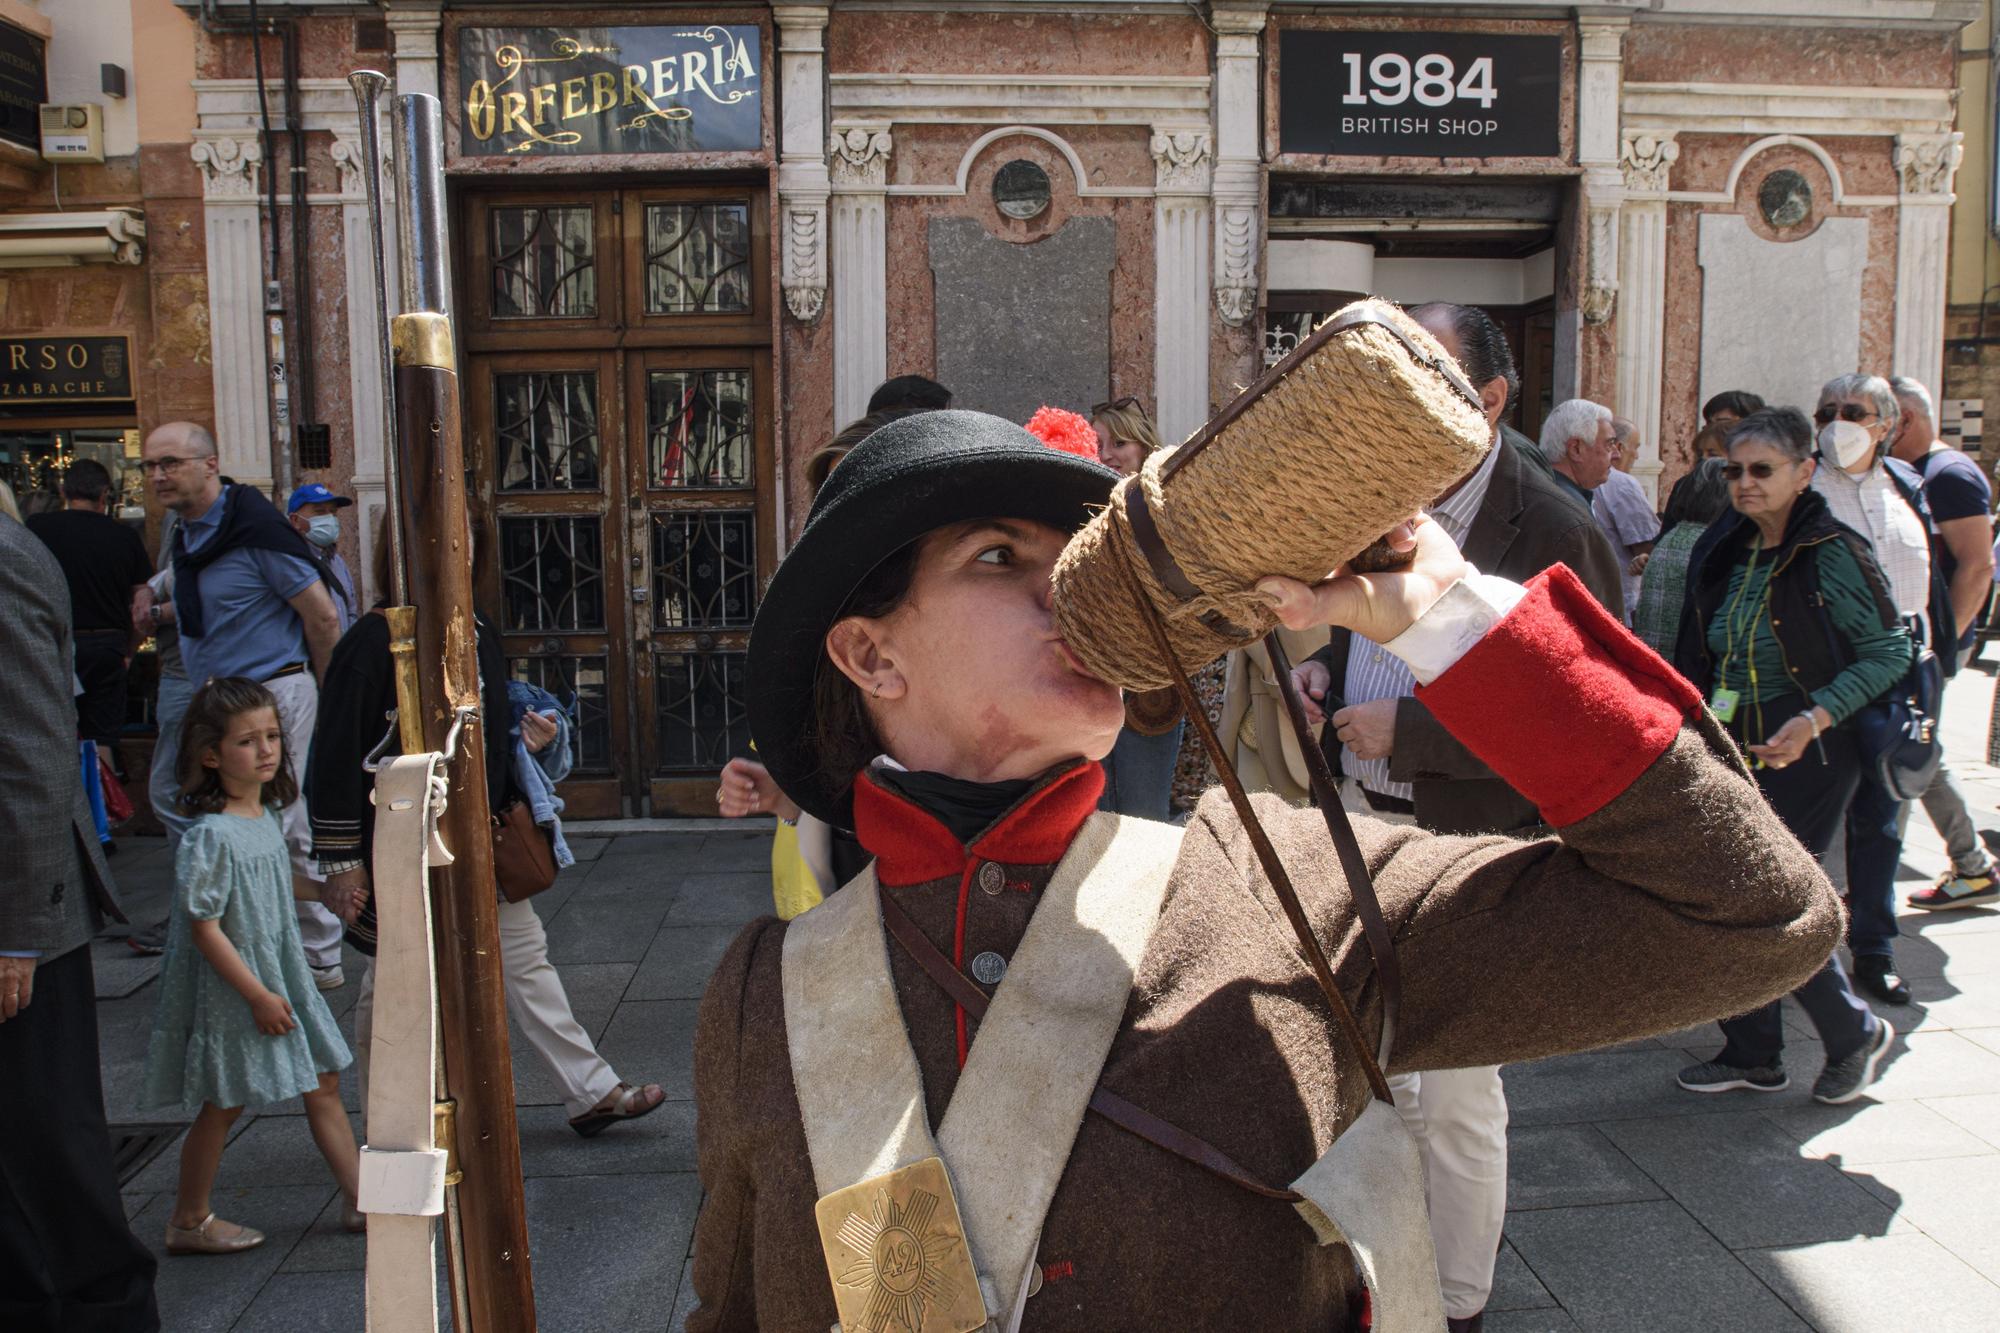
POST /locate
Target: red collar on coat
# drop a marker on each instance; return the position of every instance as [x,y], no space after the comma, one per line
[911,847]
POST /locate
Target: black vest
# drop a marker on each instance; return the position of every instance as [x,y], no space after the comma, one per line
[1814,651]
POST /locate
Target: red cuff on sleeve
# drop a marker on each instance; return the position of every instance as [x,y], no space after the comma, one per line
[1562,701]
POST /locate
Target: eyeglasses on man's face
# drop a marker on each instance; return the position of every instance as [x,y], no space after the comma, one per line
[1855,412]
[168,464]
[1733,472]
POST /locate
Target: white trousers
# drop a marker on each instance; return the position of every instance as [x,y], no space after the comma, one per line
[298,710]
[535,999]
[1459,1119]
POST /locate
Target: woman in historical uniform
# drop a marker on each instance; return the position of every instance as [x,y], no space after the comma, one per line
[906,677]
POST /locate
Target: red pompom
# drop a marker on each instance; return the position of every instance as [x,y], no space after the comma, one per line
[1064,430]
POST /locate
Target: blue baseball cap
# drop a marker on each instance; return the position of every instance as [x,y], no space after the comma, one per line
[312,493]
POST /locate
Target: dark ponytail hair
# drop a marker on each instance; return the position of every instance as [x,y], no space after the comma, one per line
[214,706]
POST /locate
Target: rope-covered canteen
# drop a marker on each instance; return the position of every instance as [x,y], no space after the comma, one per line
[1366,422]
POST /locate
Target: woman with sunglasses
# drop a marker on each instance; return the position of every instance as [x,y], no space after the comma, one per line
[1789,629]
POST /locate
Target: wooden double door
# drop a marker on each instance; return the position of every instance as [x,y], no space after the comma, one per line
[618,395]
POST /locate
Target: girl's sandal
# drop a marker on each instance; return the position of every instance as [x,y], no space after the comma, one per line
[206,1238]
[627,1103]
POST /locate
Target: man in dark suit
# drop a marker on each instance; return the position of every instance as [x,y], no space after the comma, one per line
[1511,518]
[67,1259]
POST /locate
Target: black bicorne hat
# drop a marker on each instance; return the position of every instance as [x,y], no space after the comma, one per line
[910,478]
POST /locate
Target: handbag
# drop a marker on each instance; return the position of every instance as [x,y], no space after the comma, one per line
[1898,733]
[524,859]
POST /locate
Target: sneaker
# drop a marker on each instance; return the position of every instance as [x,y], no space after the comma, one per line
[1844,1080]
[1876,975]
[329,978]
[1954,890]
[1715,1076]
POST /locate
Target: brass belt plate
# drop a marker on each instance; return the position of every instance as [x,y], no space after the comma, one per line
[896,1252]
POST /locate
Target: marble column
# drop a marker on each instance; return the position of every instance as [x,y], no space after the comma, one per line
[365,331]
[1181,164]
[1646,158]
[803,183]
[859,156]
[414,29]
[1925,164]
[1239,168]
[229,162]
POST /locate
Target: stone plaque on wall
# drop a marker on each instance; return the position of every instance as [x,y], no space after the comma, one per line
[1023,325]
[1779,318]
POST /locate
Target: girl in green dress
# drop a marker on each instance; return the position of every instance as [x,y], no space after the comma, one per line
[240,1019]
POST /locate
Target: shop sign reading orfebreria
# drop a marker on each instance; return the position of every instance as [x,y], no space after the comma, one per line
[573,91]
[1419,94]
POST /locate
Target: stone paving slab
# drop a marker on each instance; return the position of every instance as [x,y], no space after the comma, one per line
[1865,1132]
[1515,1287]
[198,1293]
[722,898]
[1704,1162]
[1956,1203]
[1841,1288]
[678,964]
[1641,1267]
[1562,1166]
[618,1243]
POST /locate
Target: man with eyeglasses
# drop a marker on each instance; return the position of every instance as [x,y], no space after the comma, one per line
[249,601]
[1857,417]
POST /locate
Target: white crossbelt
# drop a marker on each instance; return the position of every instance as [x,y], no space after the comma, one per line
[1007,1134]
[402,1169]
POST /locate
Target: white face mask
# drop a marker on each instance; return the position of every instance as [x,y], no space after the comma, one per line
[1844,443]
[323,530]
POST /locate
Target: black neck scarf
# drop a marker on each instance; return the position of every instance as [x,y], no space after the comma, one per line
[966,808]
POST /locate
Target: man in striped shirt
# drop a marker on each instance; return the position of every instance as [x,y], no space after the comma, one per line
[1510,518]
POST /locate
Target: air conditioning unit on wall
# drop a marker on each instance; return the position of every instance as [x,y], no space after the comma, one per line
[72,133]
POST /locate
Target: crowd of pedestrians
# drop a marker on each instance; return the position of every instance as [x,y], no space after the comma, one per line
[1800,575]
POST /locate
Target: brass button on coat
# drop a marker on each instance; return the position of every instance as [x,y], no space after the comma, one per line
[991,879]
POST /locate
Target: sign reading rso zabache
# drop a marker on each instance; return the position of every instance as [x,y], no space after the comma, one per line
[66,370]
[1420,94]
[570,91]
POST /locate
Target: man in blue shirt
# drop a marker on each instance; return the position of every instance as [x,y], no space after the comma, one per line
[1580,446]
[248,601]
[1961,505]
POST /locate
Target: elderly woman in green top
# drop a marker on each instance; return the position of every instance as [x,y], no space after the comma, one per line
[1703,498]
[1788,629]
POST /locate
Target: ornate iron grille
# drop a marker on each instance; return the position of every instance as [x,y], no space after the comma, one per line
[545,423]
[704,569]
[699,426]
[699,715]
[544,263]
[579,684]
[697,259]
[552,573]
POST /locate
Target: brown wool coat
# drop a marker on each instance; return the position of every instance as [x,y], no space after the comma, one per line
[1510,951]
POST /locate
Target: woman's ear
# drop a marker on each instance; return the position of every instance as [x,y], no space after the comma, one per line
[858,651]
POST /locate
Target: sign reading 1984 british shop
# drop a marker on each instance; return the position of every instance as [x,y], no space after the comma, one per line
[570,91]
[1419,94]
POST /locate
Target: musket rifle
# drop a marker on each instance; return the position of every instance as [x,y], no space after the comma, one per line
[436,798]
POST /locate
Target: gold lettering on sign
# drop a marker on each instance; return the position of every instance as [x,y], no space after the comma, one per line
[537,111]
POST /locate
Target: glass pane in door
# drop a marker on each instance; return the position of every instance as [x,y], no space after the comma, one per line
[704,569]
[544,263]
[552,573]
[579,685]
[545,430]
[699,429]
[700,718]
[697,259]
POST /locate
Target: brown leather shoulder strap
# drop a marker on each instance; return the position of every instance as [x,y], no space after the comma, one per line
[1110,1105]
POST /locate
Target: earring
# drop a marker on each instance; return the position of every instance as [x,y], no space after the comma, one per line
[876,690]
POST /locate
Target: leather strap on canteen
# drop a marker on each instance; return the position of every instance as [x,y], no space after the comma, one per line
[1361,885]
[1146,535]
[1341,830]
[1112,1107]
